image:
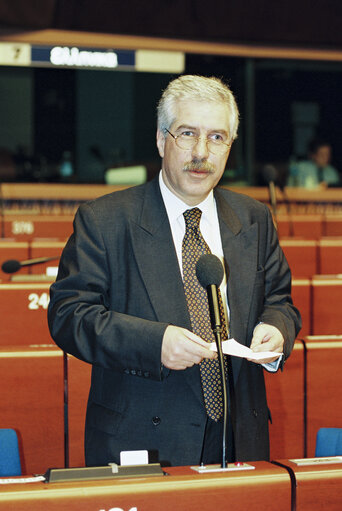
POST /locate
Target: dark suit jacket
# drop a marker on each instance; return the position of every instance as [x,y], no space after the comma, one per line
[119,286]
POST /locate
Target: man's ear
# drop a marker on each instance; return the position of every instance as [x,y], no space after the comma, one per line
[160,143]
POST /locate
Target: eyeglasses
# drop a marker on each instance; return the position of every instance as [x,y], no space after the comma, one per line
[187,141]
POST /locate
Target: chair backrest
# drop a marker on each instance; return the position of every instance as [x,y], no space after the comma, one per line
[329,442]
[9,453]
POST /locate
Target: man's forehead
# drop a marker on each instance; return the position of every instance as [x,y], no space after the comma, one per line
[197,113]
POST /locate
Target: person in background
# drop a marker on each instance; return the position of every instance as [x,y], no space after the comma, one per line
[127,300]
[316,171]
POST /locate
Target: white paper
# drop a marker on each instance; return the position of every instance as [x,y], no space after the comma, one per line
[21,480]
[232,347]
[134,457]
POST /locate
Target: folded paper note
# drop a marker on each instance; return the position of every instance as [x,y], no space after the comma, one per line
[232,347]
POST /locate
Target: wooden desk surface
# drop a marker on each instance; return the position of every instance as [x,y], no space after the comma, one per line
[182,490]
[319,486]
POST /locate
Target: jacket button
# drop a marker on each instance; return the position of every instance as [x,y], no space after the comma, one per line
[146,374]
[133,372]
[255,413]
[156,421]
[126,371]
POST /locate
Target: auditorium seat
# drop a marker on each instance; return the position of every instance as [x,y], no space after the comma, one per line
[9,453]
[329,442]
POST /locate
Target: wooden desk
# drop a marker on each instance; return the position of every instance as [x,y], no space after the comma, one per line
[31,402]
[29,226]
[24,314]
[317,486]
[302,299]
[302,256]
[285,397]
[182,490]
[79,376]
[326,305]
[324,385]
[330,256]
[304,226]
[45,249]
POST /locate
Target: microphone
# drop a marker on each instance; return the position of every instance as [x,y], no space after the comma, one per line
[270,175]
[209,272]
[12,265]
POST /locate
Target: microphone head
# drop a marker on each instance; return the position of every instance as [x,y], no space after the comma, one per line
[270,173]
[11,266]
[209,270]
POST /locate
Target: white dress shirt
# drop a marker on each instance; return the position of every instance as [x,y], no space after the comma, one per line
[210,229]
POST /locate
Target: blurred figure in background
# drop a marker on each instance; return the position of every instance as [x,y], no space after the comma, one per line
[316,171]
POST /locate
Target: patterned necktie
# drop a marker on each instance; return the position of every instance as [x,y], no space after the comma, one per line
[193,247]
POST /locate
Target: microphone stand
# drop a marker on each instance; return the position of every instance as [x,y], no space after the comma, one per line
[273,201]
[217,330]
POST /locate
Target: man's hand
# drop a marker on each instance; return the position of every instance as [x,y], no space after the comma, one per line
[182,348]
[267,338]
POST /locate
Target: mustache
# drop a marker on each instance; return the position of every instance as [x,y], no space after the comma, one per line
[199,165]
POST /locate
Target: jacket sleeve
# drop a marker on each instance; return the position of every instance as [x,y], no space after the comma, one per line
[80,318]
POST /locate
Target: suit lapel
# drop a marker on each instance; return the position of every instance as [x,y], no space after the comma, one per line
[157,260]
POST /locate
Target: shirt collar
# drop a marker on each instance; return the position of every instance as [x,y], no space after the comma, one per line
[175,207]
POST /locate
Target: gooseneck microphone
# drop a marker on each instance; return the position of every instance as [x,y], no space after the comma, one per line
[209,271]
[12,265]
[270,175]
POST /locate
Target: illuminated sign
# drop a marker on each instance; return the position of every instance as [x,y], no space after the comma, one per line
[158,61]
[63,56]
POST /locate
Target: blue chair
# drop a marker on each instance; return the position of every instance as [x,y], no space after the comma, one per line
[9,453]
[329,442]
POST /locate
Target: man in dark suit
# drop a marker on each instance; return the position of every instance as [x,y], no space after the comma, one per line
[119,302]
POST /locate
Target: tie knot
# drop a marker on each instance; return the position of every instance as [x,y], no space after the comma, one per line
[192,218]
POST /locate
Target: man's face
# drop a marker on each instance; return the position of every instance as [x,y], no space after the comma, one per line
[191,174]
[322,156]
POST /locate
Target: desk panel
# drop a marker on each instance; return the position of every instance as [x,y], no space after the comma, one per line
[330,256]
[326,305]
[27,227]
[31,402]
[304,226]
[302,299]
[79,378]
[317,486]
[285,397]
[24,313]
[45,249]
[182,490]
[324,385]
[302,256]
